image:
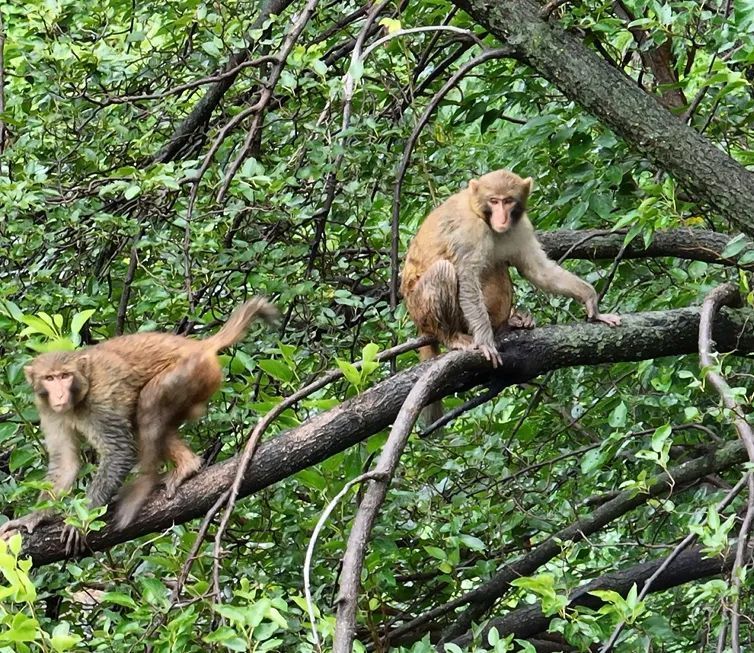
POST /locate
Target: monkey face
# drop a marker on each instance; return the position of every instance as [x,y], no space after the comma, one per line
[500,198]
[502,212]
[60,389]
[59,383]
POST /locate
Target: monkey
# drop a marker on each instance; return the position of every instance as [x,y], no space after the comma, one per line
[455,280]
[127,397]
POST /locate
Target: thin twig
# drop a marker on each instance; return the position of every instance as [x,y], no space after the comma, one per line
[127,281]
[266,95]
[492,391]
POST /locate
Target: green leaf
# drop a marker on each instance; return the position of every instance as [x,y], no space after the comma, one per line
[617,417]
[276,369]
[61,639]
[80,319]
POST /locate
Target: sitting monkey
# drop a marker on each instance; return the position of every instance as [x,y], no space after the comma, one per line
[455,281]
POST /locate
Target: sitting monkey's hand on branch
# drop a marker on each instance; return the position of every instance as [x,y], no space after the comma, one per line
[490,352]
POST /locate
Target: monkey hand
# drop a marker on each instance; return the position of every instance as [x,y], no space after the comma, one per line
[611,319]
[521,320]
[490,352]
[74,541]
[27,522]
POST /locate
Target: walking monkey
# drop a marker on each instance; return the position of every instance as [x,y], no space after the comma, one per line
[127,396]
[455,281]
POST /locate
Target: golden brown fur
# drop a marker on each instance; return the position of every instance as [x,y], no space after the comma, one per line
[455,281]
[127,397]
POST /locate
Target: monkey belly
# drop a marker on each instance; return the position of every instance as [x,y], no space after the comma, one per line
[498,297]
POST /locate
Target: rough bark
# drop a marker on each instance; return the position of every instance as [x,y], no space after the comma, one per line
[688,566]
[610,95]
[692,244]
[526,354]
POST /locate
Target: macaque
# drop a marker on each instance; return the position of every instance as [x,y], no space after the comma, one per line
[455,281]
[127,396]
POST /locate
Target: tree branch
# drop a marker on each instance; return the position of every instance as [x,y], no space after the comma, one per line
[526,354]
[690,565]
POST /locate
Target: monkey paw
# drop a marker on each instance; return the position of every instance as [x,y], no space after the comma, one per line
[611,319]
[491,353]
[521,320]
[74,540]
[27,522]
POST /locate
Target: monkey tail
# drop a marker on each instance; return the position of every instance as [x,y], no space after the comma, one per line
[235,328]
[431,412]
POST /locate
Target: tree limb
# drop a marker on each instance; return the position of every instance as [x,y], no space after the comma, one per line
[616,100]
[526,354]
[690,565]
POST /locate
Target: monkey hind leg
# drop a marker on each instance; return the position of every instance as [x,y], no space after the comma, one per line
[186,462]
[433,303]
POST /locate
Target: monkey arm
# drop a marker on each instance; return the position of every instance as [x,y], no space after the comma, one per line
[62,445]
[547,275]
[472,304]
[115,442]
[61,442]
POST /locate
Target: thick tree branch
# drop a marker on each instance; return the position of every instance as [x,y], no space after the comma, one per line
[526,354]
[691,244]
[614,98]
[690,565]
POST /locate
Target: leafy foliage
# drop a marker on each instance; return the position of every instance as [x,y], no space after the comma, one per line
[102,234]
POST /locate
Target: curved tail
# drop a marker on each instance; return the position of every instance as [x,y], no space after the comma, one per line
[431,412]
[235,328]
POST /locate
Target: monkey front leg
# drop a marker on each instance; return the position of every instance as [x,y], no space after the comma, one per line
[471,299]
[117,453]
[62,447]
[549,276]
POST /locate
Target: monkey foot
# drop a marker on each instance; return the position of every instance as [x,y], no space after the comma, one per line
[74,540]
[611,319]
[521,320]
[176,478]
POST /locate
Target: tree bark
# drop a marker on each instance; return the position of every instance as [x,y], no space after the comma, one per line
[526,354]
[692,244]
[610,95]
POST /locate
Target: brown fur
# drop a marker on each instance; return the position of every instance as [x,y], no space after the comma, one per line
[455,281]
[127,398]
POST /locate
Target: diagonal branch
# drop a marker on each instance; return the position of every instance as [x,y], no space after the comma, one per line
[525,356]
[353,559]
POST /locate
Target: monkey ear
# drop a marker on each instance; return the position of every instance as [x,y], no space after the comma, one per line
[29,374]
[82,363]
[473,185]
[527,187]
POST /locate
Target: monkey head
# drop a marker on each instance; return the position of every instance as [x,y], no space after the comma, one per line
[499,198]
[60,379]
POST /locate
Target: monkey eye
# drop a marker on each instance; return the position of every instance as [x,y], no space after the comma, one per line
[65,375]
[509,200]
[49,377]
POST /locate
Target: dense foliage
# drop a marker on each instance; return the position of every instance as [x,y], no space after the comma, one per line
[105,229]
